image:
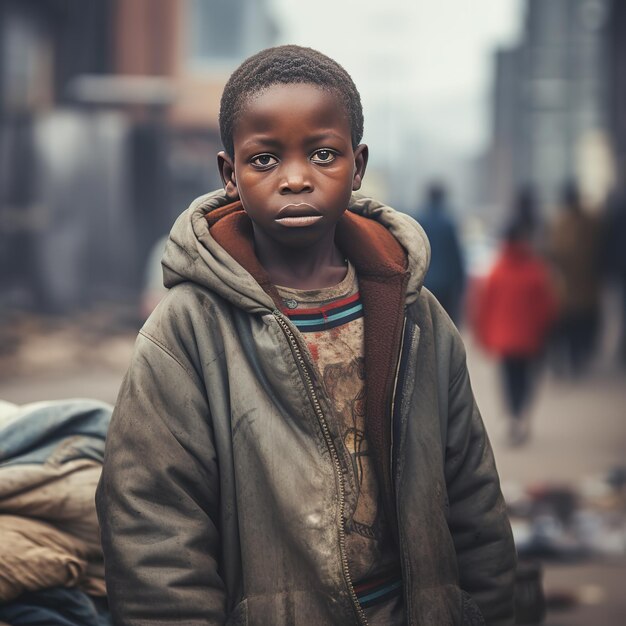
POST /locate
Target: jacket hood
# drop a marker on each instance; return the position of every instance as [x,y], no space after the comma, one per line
[195,253]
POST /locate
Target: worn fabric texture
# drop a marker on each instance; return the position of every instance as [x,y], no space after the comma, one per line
[221,501]
[50,463]
[58,606]
[36,555]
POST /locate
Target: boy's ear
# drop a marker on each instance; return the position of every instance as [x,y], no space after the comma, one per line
[361,154]
[227,172]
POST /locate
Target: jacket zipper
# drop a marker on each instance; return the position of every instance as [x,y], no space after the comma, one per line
[333,452]
[393,397]
[404,560]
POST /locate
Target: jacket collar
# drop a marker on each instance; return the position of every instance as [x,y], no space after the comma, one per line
[374,252]
[193,255]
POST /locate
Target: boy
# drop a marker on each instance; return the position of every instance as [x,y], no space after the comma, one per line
[296,440]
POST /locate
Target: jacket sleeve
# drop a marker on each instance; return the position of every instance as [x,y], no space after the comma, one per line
[158,501]
[477,513]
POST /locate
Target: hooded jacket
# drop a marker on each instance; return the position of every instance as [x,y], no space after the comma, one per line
[221,499]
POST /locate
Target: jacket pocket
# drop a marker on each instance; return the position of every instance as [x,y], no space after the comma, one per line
[239,616]
[471,613]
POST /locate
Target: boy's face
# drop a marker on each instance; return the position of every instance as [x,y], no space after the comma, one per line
[294,167]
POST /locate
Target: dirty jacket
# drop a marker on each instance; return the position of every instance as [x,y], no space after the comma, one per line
[221,499]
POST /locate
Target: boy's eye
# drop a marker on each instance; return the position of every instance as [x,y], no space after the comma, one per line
[323,156]
[263,160]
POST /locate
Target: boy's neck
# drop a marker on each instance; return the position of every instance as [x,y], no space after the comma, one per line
[316,267]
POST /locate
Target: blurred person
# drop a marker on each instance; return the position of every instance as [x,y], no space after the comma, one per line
[573,247]
[614,251]
[514,313]
[525,214]
[249,474]
[446,275]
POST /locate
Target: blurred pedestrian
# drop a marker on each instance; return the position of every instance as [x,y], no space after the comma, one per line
[573,246]
[514,313]
[525,212]
[446,275]
[614,248]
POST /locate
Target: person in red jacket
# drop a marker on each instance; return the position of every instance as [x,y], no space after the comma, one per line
[515,312]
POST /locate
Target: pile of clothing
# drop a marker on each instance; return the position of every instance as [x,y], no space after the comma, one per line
[52,569]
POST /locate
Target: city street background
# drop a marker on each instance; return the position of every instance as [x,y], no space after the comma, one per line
[108,130]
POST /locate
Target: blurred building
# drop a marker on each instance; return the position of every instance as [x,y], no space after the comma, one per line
[108,129]
[551,96]
[617,82]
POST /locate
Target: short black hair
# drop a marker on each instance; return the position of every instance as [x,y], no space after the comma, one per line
[286,65]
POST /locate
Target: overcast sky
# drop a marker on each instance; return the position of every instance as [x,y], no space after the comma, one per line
[432,56]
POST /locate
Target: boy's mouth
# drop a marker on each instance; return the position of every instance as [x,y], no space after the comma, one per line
[297,215]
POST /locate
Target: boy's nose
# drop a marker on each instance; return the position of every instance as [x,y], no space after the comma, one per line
[295,180]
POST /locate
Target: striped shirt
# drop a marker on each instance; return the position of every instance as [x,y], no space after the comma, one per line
[378,589]
[336,313]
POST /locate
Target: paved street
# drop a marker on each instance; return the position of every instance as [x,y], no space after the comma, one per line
[578,433]
[579,430]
